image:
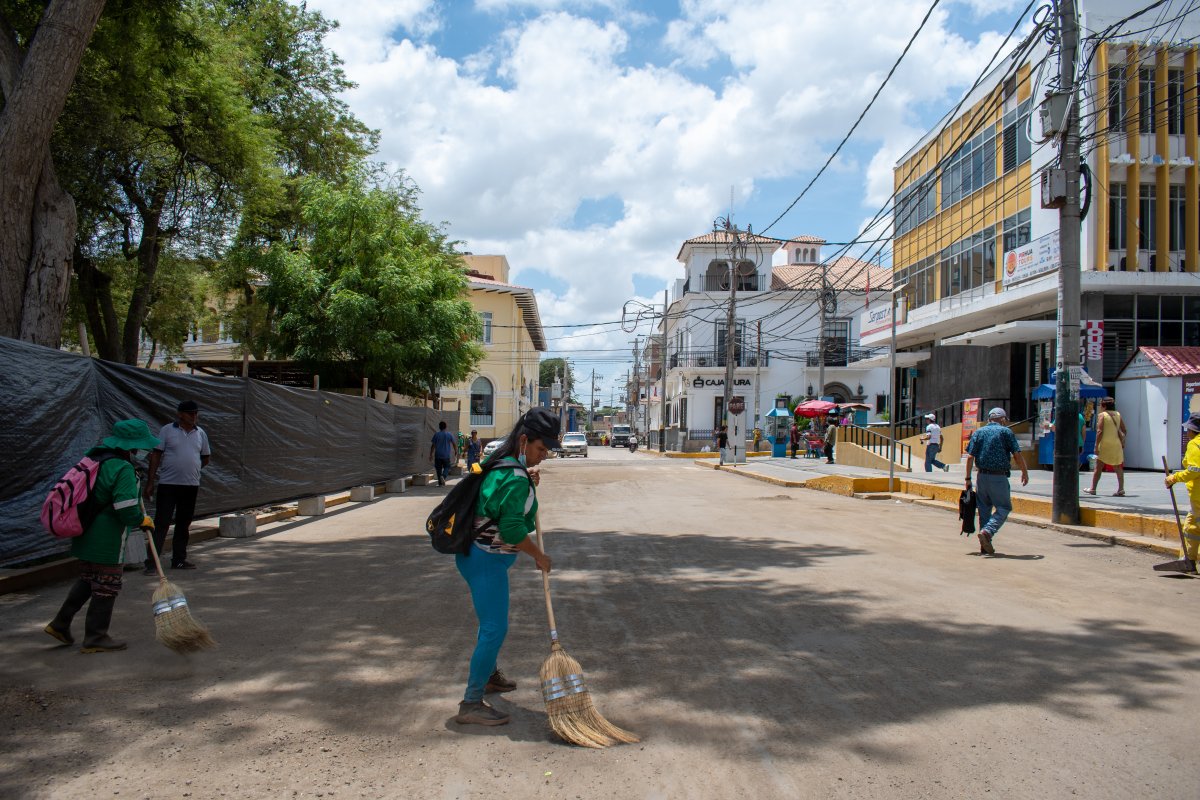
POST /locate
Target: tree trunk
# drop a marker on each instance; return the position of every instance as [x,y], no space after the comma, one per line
[34,211]
[149,249]
[96,294]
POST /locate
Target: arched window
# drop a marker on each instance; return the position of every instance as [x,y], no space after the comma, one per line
[483,402]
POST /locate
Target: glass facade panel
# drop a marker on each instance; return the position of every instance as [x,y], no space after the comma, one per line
[1118,306]
[1146,86]
[1175,101]
[1147,214]
[1116,216]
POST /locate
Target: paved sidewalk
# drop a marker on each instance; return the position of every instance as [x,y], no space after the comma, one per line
[1144,491]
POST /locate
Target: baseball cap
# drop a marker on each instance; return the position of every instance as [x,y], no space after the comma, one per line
[931,416]
[997,413]
[1193,423]
[186,406]
[542,423]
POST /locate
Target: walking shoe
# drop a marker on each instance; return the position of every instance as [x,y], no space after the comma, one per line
[63,636]
[945,467]
[103,644]
[480,714]
[183,565]
[499,683]
[985,543]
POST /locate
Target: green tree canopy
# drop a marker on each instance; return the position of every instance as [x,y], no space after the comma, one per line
[366,281]
[549,368]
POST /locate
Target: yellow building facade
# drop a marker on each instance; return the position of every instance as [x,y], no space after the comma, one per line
[505,384]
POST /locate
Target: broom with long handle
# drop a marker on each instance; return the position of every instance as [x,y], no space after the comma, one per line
[1184,564]
[174,624]
[573,715]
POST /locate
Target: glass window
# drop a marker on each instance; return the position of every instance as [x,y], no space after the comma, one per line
[1147,212]
[1116,98]
[1147,334]
[1017,230]
[1146,86]
[972,167]
[1170,334]
[1147,307]
[1191,334]
[1116,216]
[486,318]
[482,402]
[1191,308]
[1017,147]
[1118,306]
[1177,224]
[1172,307]
[1175,101]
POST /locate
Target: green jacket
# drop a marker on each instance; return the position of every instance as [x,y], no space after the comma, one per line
[120,503]
[508,497]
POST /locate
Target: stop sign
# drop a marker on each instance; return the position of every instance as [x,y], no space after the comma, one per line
[737,404]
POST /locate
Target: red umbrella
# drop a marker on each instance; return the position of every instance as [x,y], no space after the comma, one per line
[815,408]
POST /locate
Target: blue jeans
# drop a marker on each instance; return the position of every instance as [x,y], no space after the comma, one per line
[487,575]
[442,467]
[931,452]
[994,501]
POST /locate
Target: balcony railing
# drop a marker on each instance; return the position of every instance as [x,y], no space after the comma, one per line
[743,357]
[720,283]
[839,355]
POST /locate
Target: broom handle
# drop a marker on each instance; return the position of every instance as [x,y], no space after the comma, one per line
[537,521]
[162,576]
[1174,505]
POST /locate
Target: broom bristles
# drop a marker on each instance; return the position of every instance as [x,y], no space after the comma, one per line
[573,716]
[174,625]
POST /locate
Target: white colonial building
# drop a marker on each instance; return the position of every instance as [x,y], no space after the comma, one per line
[793,312]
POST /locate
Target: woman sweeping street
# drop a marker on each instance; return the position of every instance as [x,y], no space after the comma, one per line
[506,512]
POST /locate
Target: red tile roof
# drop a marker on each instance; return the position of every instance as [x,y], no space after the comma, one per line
[844,273]
[1173,361]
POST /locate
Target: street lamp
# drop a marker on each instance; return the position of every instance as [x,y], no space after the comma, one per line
[896,290]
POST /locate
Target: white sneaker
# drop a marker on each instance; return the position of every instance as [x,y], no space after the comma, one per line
[945,468]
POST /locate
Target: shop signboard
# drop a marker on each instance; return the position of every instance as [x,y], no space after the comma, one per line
[970,419]
[1030,260]
[1191,404]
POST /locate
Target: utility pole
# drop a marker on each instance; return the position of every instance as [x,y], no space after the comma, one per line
[592,404]
[662,394]
[757,374]
[1065,505]
[735,250]
[637,383]
[821,337]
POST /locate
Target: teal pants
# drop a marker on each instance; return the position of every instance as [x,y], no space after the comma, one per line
[487,576]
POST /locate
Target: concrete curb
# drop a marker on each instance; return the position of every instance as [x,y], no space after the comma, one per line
[1113,527]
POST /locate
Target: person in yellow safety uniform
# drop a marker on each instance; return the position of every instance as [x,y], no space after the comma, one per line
[1190,475]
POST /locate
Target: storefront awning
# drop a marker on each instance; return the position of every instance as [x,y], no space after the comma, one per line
[906,359]
[1026,330]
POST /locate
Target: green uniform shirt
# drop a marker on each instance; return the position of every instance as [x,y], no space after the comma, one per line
[508,498]
[116,494]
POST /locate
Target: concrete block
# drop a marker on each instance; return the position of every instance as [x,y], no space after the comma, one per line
[238,526]
[311,506]
[456,470]
[362,494]
[422,480]
[396,486]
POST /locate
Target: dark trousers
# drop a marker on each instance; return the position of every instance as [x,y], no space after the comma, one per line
[829,452]
[442,467]
[173,502]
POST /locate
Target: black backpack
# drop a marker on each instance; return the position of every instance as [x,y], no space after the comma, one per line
[451,526]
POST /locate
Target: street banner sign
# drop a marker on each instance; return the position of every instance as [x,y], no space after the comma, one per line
[970,419]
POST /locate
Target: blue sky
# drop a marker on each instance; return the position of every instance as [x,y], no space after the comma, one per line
[586,140]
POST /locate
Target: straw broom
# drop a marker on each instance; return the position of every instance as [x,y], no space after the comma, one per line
[174,624]
[573,715]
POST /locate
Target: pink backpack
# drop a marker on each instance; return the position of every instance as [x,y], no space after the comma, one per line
[70,509]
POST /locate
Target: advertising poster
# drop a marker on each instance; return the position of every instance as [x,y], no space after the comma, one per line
[970,419]
[1028,261]
[1191,405]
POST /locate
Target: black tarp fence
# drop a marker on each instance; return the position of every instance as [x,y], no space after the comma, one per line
[269,443]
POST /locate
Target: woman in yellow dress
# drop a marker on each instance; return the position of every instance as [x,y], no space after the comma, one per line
[1110,445]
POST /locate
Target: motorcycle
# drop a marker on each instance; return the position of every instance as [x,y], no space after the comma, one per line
[633,445]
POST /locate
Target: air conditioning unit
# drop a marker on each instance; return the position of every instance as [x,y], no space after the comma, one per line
[752,361]
[701,362]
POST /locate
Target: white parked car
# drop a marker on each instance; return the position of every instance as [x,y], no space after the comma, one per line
[575,444]
[492,447]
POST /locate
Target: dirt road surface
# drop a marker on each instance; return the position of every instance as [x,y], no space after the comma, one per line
[765,643]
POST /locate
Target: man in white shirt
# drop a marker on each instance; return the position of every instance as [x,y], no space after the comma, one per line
[175,465]
[933,445]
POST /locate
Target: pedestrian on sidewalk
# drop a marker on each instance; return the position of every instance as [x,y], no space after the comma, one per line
[722,442]
[1190,475]
[101,548]
[794,437]
[991,449]
[830,439]
[507,511]
[933,445]
[474,450]
[443,451]
[1110,446]
[175,466]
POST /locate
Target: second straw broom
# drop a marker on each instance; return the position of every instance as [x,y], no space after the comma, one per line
[573,715]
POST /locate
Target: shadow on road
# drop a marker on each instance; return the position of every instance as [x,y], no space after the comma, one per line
[686,637]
